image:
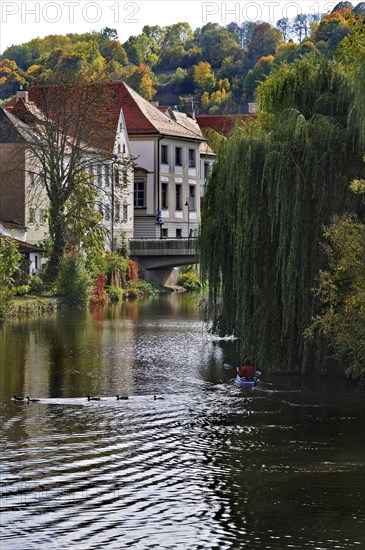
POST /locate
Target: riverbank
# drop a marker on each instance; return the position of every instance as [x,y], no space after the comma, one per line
[32,305]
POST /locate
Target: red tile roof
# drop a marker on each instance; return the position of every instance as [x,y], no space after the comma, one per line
[223,124]
[141,117]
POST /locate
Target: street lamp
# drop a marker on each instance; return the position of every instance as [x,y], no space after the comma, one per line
[188,205]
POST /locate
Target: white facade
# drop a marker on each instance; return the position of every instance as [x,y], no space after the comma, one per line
[36,202]
[167,179]
[114,180]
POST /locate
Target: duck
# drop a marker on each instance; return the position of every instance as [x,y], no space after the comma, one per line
[155,398]
[32,400]
[15,398]
[89,398]
[119,397]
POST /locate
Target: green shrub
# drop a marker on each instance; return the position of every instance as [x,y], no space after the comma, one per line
[21,290]
[73,280]
[115,294]
[189,280]
[36,285]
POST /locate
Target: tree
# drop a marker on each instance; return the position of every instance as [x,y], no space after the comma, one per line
[274,186]
[142,79]
[74,281]
[142,49]
[300,25]
[178,34]
[264,40]
[341,292]
[256,75]
[68,134]
[10,258]
[284,26]
[83,228]
[204,77]
[11,77]
[216,43]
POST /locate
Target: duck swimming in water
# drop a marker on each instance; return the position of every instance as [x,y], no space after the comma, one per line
[155,398]
[32,400]
[119,397]
[89,398]
[15,398]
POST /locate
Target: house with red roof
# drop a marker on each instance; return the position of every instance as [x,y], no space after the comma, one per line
[108,165]
[166,147]
[161,198]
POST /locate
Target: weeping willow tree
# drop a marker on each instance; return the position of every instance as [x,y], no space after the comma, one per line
[275,185]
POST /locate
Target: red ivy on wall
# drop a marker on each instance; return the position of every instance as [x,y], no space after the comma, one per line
[132,271]
[98,296]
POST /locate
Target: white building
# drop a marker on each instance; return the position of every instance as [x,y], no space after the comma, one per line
[166,148]
[110,169]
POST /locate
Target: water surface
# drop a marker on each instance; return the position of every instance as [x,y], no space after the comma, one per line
[209,465]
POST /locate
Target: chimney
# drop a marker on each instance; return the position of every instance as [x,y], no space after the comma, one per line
[22,94]
[155,103]
[252,108]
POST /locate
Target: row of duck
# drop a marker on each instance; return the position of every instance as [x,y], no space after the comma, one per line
[28,399]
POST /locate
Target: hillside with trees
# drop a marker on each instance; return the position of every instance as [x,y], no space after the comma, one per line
[213,69]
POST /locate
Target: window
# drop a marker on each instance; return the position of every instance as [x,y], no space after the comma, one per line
[164,195]
[108,174]
[36,261]
[191,158]
[178,197]
[164,154]
[116,171]
[99,175]
[178,156]
[117,212]
[42,215]
[31,215]
[178,233]
[32,177]
[107,213]
[125,177]
[125,213]
[192,197]
[206,170]
[138,194]
[165,233]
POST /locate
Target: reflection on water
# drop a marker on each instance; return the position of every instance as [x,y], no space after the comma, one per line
[209,465]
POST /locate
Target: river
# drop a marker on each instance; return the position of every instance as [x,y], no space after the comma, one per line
[205,465]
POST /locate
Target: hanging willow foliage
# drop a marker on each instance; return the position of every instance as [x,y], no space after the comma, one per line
[275,185]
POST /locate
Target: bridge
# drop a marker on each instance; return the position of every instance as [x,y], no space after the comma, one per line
[159,257]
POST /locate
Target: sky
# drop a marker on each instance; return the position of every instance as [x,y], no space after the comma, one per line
[22,20]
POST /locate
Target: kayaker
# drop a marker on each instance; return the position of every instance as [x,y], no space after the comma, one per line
[247,370]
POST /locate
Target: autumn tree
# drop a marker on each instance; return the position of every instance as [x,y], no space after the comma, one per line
[264,41]
[67,135]
[204,77]
[11,77]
